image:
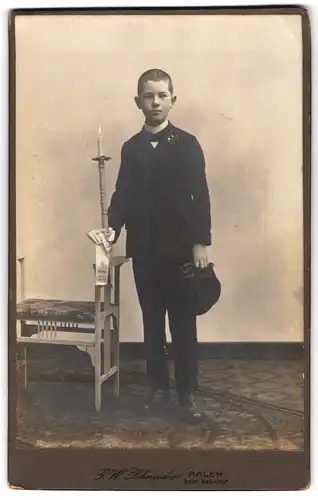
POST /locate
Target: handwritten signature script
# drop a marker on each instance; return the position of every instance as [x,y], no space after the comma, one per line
[136,473]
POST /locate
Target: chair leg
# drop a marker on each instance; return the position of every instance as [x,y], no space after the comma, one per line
[116,384]
[25,367]
[116,362]
[107,331]
[116,332]
[98,403]
[97,349]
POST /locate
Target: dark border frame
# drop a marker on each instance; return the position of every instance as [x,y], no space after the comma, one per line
[77,469]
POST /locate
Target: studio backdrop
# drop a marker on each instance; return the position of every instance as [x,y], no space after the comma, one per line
[238,80]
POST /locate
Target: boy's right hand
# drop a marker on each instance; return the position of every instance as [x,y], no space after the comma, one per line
[103,237]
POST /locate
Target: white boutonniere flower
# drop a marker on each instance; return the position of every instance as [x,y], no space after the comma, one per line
[172,137]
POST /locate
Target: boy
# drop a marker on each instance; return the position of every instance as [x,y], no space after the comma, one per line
[162,198]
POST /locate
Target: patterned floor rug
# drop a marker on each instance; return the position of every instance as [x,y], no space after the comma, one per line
[249,405]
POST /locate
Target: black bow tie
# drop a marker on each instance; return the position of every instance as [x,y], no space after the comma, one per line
[151,137]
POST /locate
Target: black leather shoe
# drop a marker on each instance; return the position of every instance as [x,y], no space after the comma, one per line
[159,398]
[190,412]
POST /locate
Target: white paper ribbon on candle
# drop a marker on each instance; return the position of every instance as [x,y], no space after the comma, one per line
[103,256]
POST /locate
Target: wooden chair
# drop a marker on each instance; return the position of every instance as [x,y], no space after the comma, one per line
[98,319]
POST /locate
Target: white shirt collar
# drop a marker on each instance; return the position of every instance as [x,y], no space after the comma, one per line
[155,130]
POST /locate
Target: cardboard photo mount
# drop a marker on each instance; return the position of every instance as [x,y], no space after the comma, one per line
[145,469]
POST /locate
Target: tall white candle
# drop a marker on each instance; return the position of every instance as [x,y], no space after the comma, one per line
[99,141]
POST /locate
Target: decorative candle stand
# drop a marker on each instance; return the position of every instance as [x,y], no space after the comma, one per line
[107,296]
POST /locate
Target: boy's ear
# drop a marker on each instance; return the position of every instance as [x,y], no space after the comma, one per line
[173,100]
[137,101]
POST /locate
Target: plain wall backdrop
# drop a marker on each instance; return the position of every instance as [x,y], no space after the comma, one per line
[239,85]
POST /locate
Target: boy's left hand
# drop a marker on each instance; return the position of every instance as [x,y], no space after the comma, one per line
[200,256]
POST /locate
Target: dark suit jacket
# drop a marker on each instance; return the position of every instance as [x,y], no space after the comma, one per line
[161,195]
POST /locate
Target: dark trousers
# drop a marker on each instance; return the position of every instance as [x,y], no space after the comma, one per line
[161,288]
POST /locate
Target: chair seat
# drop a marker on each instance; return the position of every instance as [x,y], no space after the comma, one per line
[56,310]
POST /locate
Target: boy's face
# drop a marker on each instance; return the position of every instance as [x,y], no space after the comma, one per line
[155,101]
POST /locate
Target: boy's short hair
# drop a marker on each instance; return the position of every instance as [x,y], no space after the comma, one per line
[154,75]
